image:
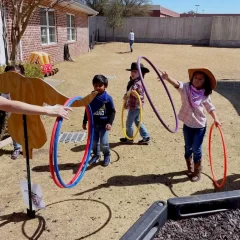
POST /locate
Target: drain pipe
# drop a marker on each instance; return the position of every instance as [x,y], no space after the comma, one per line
[20,51]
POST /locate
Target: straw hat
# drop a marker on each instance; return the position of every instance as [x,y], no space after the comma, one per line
[207,72]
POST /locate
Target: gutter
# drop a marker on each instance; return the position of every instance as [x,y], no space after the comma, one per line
[80,6]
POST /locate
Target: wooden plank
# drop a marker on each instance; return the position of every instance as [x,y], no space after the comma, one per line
[33,91]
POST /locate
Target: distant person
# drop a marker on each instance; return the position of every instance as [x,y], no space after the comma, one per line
[131,39]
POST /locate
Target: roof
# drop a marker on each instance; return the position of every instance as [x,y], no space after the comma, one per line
[79,5]
[164,11]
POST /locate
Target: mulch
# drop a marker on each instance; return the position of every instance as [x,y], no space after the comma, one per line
[224,225]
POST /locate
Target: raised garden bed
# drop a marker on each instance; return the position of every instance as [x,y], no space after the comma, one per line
[208,216]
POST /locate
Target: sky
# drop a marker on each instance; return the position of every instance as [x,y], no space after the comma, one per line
[208,6]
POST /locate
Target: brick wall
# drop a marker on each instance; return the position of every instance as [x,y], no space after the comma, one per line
[31,40]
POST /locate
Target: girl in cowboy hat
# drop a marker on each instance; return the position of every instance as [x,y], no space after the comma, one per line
[195,97]
[133,105]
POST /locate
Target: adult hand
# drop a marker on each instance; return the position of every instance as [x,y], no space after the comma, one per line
[58,111]
[84,126]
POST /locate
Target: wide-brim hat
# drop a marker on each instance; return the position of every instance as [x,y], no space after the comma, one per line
[135,67]
[213,80]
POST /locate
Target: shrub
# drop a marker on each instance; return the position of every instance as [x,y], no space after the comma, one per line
[31,70]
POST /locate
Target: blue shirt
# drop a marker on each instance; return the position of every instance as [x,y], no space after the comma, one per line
[103,110]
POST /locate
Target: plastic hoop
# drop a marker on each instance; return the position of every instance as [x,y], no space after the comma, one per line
[54,150]
[140,121]
[148,96]
[210,157]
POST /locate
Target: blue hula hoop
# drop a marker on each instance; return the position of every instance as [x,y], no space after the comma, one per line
[56,140]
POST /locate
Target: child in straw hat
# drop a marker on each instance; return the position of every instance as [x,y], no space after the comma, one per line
[195,97]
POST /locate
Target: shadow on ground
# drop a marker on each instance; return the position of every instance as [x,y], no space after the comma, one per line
[128,180]
[98,227]
[22,217]
[230,90]
[74,166]
[123,52]
[232,183]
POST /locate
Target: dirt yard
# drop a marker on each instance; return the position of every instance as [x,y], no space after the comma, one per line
[109,200]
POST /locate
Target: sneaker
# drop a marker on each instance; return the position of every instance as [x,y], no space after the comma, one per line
[106,161]
[125,140]
[94,159]
[145,141]
[15,154]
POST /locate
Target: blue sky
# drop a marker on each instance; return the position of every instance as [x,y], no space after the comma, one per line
[209,6]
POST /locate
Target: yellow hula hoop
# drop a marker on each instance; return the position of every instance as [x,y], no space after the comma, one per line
[123,108]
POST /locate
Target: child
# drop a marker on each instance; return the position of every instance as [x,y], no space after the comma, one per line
[19,69]
[133,105]
[195,95]
[103,116]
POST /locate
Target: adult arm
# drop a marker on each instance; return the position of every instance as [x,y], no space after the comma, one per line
[18,107]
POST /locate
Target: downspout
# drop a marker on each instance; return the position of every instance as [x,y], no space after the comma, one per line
[20,51]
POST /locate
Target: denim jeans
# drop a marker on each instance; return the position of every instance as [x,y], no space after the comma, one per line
[100,140]
[16,145]
[131,44]
[134,116]
[193,138]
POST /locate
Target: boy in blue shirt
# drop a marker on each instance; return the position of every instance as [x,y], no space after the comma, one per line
[103,116]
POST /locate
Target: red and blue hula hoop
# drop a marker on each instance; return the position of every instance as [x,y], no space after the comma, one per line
[149,98]
[53,152]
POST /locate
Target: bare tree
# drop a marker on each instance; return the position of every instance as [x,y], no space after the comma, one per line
[21,13]
[97,5]
[190,12]
[5,41]
[136,8]
[114,15]
[130,7]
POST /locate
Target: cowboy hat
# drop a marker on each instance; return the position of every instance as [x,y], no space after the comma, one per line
[134,66]
[213,81]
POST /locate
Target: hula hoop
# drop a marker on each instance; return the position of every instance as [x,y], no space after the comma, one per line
[148,96]
[140,121]
[54,150]
[210,157]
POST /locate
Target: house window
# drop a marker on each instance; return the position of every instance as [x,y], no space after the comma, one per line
[71,30]
[48,26]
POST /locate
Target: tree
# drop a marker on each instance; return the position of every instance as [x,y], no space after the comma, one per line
[21,13]
[114,15]
[97,5]
[130,7]
[136,8]
[5,41]
[190,12]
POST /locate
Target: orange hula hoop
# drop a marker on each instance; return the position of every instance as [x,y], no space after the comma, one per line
[210,157]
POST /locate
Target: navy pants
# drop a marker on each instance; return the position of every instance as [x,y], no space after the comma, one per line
[193,138]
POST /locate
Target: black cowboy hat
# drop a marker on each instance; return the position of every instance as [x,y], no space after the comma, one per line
[134,67]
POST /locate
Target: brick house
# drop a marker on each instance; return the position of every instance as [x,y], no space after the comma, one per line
[159,11]
[49,29]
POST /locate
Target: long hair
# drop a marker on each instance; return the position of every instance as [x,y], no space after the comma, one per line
[207,83]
